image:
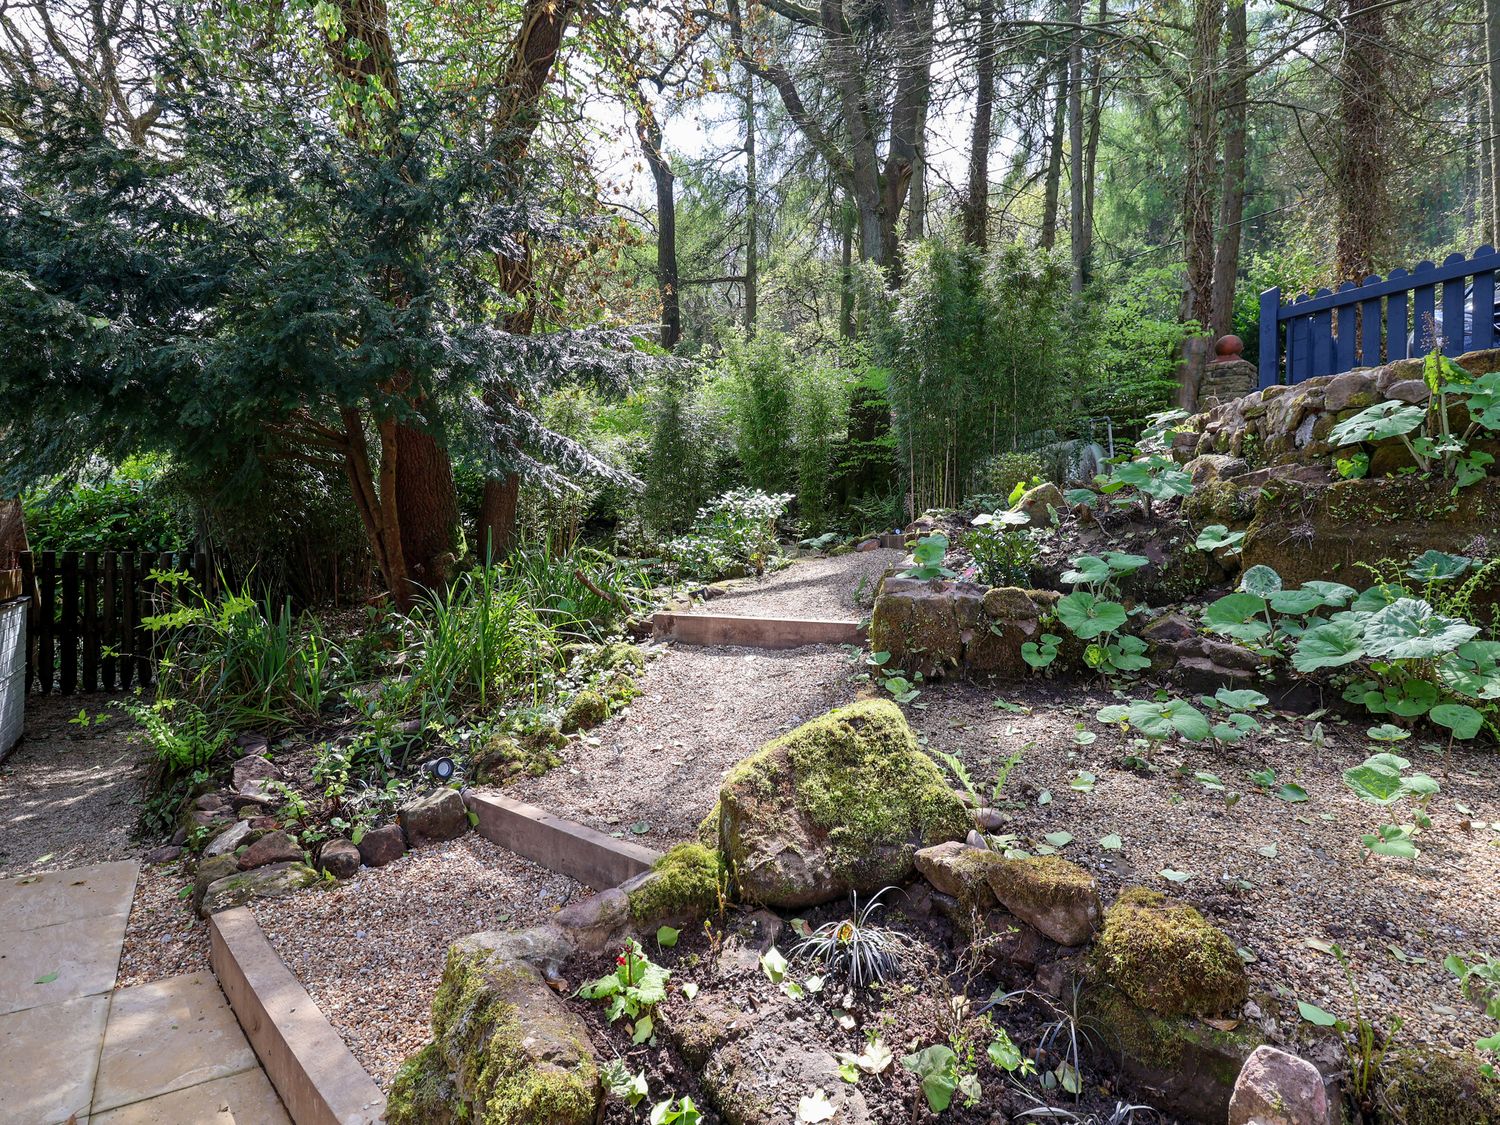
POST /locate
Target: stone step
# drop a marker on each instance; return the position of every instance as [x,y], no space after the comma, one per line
[754,632]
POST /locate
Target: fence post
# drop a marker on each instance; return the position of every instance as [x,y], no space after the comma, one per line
[1270,337]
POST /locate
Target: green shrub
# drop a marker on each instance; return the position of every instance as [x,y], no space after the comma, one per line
[1003,555]
[999,476]
[737,530]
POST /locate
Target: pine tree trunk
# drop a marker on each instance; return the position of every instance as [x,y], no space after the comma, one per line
[1361,174]
[1078,237]
[1232,197]
[1053,186]
[1492,99]
[977,204]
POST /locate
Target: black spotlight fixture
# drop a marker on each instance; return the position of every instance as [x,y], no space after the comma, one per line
[440,768]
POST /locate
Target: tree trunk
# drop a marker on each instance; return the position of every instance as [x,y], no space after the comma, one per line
[1091,145]
[1361,176]
[911,21]
[1493,110]
[977,203]
[1054,161]
[1486,171]
[533,53]
[752,210]
[1232,197]
[846,273]
[1077,236]
[649,132]
[1202,158]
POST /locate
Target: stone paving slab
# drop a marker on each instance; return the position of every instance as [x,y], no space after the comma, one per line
[29,902]
[60,962]
[167,1036]
[48,1060]
[246,1098]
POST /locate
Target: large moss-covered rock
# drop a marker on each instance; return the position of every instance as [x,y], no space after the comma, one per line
[587,710]
[942,628]
[1167,958]
[840,804]
[1188,1066]
[506,1050]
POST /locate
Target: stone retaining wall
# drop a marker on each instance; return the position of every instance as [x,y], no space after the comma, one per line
[1290,424]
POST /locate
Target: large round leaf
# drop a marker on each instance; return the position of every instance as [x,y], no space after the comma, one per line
[1297,601]
[1330,645]
[1409,629]
[1335,594]
[1089,617]
[1437,566]
[1088,570]
[1383,420]
[1237,615]
[1261,581]
[1461,719]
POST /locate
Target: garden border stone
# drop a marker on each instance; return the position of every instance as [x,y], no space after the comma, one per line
[581,853]
[319,1080]
[754,632]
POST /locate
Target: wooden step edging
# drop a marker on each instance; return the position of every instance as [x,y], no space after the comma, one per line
[582,854]
[320,1082]
[754,632]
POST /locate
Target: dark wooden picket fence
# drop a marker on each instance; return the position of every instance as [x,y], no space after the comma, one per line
[84,630]
[1379,320]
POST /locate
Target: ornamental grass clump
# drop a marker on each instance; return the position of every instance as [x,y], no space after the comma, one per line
[856,949]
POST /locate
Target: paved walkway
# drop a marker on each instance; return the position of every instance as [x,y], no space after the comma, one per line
[73,1049]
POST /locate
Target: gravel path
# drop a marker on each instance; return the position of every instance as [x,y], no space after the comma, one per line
[837,589]
[1274,875]
[654,769]
[68,798]
[370,950]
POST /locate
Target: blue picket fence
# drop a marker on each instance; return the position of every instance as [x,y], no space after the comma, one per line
[1379,320]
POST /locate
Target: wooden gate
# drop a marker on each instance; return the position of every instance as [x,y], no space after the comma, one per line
[85,621]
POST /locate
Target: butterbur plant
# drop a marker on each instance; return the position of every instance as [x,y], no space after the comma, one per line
[1382,779]
[927,557]
[1154,478]
[1092,615]
[1426,431]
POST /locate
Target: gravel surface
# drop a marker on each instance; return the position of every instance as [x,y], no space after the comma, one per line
[653,770]
[370,950]
[67,796]
[1315,886]
[163,937]
[835,589]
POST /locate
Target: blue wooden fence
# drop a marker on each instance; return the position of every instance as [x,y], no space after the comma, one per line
[1376,321]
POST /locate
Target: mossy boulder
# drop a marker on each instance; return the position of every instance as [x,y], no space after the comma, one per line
[1189,1066]
[506,1049]
[500,758]
[423,1092]
[682,887]
[588,709]
[1436,1087]
[1167,958]
[1059,898]
[840,804]
[944,628]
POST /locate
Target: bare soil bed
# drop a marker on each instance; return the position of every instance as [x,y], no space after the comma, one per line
[839,588]
[1283,880]
[370,950]
[653,769]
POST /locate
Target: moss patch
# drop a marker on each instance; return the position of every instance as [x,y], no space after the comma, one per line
[588,709]
[423,1092]
[516,1055]
[500,758]
[1438,1088]
[685,884]
[1167,958]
